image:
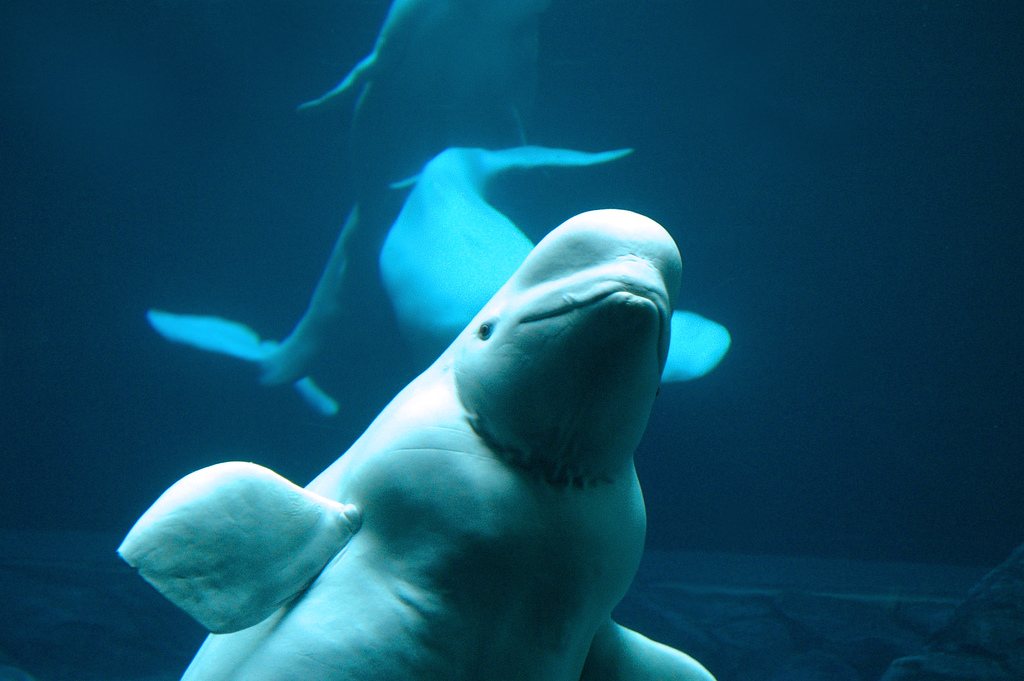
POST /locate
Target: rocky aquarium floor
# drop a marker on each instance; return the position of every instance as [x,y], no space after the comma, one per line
[71,611]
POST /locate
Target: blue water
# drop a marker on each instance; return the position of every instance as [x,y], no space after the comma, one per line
[843,181]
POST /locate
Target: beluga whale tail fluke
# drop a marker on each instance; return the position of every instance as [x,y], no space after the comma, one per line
[474,42]
[234,339]
[441,73]
[289,360]
[487,522]
[397,28]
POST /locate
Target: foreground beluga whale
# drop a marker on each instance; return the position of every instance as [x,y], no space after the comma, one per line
[493,507]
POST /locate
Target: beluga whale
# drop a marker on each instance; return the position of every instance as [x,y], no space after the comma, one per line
[441,73]
[484,525]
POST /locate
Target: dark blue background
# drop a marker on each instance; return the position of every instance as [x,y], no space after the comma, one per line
[844,181]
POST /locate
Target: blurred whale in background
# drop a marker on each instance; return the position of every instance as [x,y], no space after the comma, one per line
[442,73]
[486,523]
[337,307]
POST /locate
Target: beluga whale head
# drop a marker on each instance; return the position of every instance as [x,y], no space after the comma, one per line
[558,372]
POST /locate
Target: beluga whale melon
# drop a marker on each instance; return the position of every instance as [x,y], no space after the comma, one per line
[489,519]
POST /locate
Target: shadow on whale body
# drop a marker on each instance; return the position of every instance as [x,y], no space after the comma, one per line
[484,525]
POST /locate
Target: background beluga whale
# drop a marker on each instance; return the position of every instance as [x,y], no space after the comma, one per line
[441,73]
[496,511]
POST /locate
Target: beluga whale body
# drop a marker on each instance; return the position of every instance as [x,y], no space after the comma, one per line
[484,525]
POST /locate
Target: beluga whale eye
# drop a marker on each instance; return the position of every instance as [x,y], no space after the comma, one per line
[485,330]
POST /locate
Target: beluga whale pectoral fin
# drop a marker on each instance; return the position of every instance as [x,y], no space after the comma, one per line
[210,333]
[698,345]
[620,654]
[229,544]
[315,396]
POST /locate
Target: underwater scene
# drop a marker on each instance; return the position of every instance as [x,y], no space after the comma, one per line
[511,339]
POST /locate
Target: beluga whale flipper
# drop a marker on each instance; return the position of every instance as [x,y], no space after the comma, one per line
[500,516]
[229,544]
[450,250]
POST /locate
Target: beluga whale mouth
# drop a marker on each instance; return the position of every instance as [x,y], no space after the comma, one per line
[594,287]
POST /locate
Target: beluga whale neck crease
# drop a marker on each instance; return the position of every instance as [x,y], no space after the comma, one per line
[485,524]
